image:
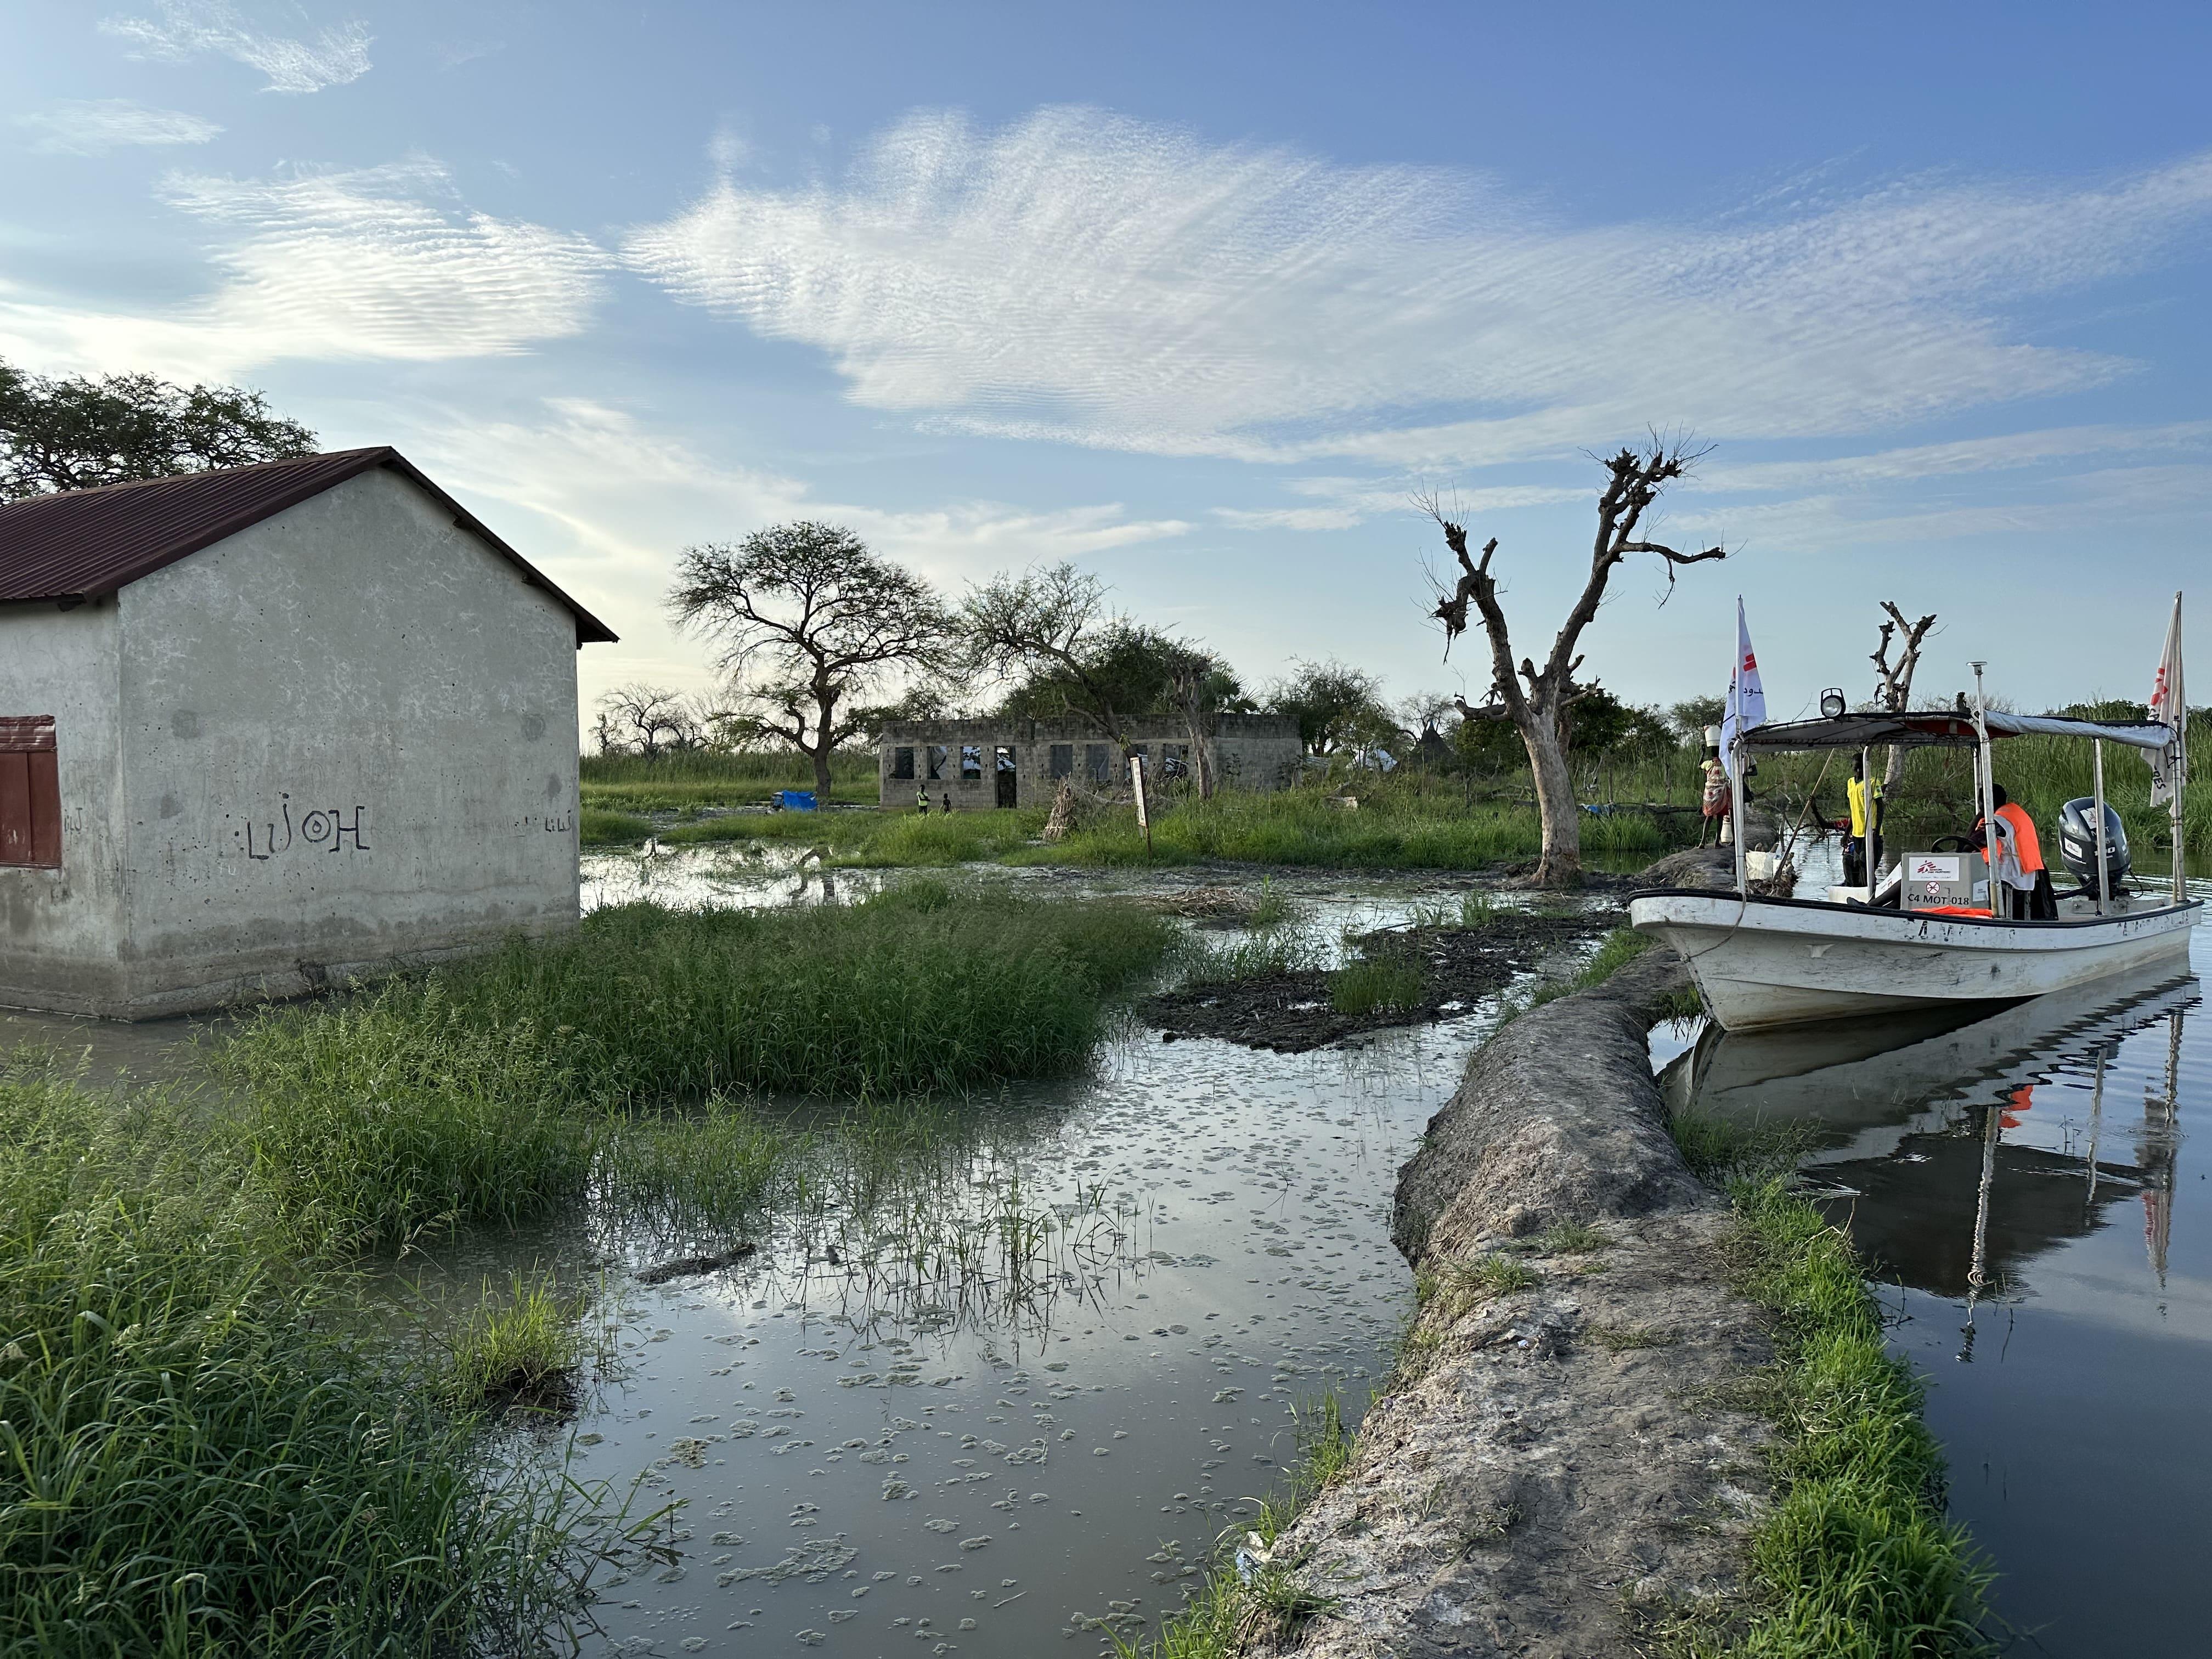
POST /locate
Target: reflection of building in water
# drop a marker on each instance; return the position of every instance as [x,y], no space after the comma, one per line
[1908,1119]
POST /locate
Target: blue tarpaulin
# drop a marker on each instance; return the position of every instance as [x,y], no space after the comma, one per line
[796,801]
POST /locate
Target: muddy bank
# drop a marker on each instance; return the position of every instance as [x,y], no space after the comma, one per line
[1553,1471]
[1292,1012]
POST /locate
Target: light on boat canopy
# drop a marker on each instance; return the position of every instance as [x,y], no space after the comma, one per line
[1946,726]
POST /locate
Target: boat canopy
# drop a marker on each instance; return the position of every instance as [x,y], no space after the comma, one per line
[1911,731]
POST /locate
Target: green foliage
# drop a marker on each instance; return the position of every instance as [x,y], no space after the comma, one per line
[705,777]
[677,1173]
[192,1460]
[923,987]
[521,1350]
[1376,982]
[79,433]
[1273,907]
[409,1108]
[1393,829]
[1856,1559]
[596,828]
[1261,954]
[1334,705]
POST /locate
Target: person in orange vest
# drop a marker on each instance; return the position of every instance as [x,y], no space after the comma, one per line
[2017,865]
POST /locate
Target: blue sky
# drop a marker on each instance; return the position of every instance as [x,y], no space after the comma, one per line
[1197,296]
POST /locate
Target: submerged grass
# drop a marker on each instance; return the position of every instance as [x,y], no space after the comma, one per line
[516,1084]
[193,1459]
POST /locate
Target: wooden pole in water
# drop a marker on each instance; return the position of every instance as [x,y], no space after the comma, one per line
[1144,818]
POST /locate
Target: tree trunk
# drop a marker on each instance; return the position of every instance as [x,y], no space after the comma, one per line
[1561,865]
[823,734]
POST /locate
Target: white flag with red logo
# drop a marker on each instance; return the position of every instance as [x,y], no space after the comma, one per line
[1747,698]
[2169,705]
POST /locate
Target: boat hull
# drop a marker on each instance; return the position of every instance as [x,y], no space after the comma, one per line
[1762,962]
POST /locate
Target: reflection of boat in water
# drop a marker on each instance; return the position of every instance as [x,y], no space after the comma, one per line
[1908,1116]
[1858,1083]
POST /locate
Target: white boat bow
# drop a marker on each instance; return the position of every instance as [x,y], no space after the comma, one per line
[1763,962]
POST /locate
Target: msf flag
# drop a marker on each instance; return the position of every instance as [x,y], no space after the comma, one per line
[1747,698]
[2169,705]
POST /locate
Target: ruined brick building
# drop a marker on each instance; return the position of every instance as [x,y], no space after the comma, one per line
[981,763]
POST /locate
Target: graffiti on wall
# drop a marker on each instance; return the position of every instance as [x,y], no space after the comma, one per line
[316,829]
[553,823]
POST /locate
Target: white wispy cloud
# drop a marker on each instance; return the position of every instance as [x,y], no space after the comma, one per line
[94,126]
[376,263]
[1094,279]
[616,499]
[185,28]
[2011,451]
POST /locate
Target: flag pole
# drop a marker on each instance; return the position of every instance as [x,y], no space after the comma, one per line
[2180,755]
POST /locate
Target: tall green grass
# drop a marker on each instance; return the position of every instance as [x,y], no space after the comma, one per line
[924,988]
[517,1084]
[407,1111]
[669,783]
[192,1459]
[1858,1558]
[1392,828]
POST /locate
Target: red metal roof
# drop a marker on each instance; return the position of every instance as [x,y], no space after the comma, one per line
[82,544]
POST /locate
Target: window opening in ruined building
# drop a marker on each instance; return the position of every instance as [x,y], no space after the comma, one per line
[937,754]
[1008,776]
[1175,760]
[30,793]
[1097,762]
[902,762]
[1063,761]
[971,762]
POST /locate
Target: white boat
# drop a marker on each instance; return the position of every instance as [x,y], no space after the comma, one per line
[1761,962]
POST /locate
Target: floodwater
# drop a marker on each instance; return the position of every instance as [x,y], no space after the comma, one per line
[1003,1402]
[2023,1185]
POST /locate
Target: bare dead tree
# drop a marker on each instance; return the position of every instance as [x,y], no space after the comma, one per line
[1538,701]
[1895,682]
[649,721]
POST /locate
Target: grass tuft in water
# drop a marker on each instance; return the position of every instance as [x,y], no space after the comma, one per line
[523,1350]
[1375,983]
[196,1460]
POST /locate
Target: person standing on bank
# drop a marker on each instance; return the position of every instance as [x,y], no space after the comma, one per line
[2017,863]
[921,801]
[1863,852]
[1716,803]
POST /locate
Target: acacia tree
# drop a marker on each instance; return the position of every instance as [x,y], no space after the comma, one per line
[810,621]
[79,433]
[1332,703]
[1895,681]
[1075,656]
[1538,702]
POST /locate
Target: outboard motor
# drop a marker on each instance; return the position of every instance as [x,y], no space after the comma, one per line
[2077,845]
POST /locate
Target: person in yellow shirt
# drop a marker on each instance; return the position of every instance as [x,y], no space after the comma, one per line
[1863,852]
